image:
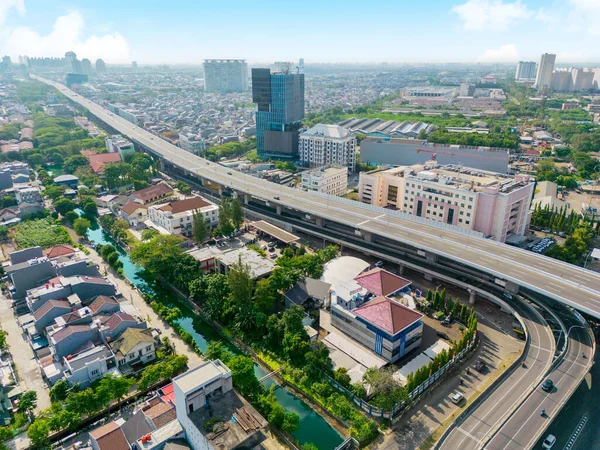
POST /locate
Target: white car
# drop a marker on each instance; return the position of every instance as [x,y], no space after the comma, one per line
[549,442]
[457,398]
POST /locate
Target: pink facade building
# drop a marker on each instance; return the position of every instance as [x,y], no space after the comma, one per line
[496,205]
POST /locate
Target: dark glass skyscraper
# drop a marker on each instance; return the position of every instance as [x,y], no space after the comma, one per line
[280,109]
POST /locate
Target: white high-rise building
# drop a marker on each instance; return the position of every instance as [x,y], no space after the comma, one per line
[327,145]
[543,79]
[225,75]
[526,70]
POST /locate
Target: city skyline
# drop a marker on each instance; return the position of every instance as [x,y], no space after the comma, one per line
[188,32]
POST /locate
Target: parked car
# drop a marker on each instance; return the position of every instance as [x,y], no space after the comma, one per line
[273,255]
[480,366]
[457,398]
[276,197]
[443,335]
[548,385]
[549,442]
[507,296]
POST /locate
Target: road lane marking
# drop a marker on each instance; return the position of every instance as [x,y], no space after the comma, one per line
[577,432]
[469,435]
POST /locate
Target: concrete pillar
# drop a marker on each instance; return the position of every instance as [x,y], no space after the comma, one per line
[428,276]
[368,237]
[400,269]
[246,199]
[431,257]
[279,209]
[472,296]
[221,190]
[161,164]
[319,222]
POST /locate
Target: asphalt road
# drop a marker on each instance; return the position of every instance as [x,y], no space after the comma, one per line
[523,428]
[495,409]
[581,413]
[564,282]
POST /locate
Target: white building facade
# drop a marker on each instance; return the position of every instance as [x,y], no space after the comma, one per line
[526,71]
[177,217]
[543,78]
[191,143]
[327,145]
[331,180]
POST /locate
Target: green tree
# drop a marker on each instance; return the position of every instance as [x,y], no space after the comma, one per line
[64,205]
[244,378]
[72,163]
[60,390]
[309,446]
[71,216]
[28,401]
[159,253]
[200,230]
[149,233]
[225,223]
[237,213]
[81,226]
[184,188]
[38,432]
[291,422]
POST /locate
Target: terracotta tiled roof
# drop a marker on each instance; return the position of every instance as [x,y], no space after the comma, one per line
[189,204]
[110,437]
[101,300]
[97,162]
[381,282]
[387,315]
[161,414]
[59,250]
[50,304]
[131,207]
[158,190]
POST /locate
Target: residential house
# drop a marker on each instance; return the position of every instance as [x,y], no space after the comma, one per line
[260,267]
[104,305]
[308,293]
[98,161]
[85,287]
[71,181]
[177,217]
[50,311]
[134,213]
[134,347]
[28,274]
[152,194]
[108,437]
[10,215]
[206,392]
[58,251]
[69,340]
[117,323]
[89,364]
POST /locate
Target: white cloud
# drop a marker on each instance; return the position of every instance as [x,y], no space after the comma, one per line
[505,53]
[67,34]
[7,5]
[491,15]
[547,17]
[585,15]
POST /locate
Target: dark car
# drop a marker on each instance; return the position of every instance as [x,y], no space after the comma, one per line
[480,366]
[443,335]
[276,197]
[228,173]
[547,385]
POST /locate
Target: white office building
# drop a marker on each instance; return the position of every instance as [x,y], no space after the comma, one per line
[526,71]
[118,144]
[330,180]
[327,145]
[543,78]
[493,204]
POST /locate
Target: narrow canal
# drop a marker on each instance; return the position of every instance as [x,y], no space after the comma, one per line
[312,428]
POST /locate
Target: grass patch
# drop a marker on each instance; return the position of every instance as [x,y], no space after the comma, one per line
[43,232]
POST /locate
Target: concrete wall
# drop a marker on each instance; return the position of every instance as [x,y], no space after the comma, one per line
[30,277]
[404,152]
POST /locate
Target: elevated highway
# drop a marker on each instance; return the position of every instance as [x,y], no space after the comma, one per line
[511,266]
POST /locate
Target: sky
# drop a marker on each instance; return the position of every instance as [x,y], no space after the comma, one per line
[263,31]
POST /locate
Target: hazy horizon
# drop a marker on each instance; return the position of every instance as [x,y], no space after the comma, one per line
[186,32]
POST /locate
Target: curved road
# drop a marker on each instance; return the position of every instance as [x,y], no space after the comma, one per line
[489,415]
[563,282]
[523,429]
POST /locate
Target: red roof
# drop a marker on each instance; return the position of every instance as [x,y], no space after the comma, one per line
[168,394]
[189,204]
[97,162]
[59,250]
[381,282]
[117,318]
[532,152]
[110,437]
[387,315]
[151,192]
[132,207]
[100,301]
